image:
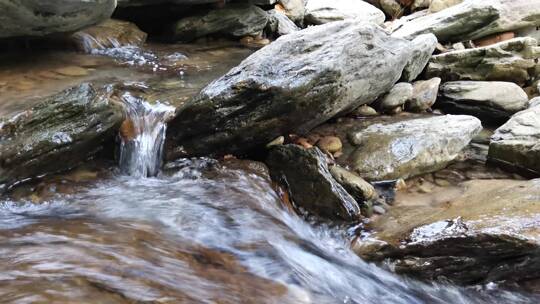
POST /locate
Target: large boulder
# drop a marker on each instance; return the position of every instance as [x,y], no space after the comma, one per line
[233,20]
[474,19]
[323,11]
[57,134]
[390,148]
[312,187]
[424,45]
[512,60]
[292,85]
[487,100]
[516,144]
[479,232]
[39,18]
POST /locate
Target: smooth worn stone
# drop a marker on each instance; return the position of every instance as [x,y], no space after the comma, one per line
[59,133]
[330,144]
[233,20]
[288,87]
[516,144]
[424,46]
[479,232]
[365,110]
[392,8]
[439,5]
[311,185]
[509,60]
[398,95]
[472,20]
[323,11]
[294,9]
[424,95]
[356,186]
[20,18]
[109,34]
[420,4]
[279,24]
[534,102]
[487,100]
[385,151]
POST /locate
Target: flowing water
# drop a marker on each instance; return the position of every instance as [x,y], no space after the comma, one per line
[200,231]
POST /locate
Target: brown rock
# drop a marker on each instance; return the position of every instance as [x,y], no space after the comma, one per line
[494,39]
[127,130]
[330,144]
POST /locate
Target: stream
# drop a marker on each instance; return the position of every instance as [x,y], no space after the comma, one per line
[198,231]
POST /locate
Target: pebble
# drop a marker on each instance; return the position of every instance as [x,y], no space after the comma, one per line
[278,141]
[365,110]
[330,144]
[379,210]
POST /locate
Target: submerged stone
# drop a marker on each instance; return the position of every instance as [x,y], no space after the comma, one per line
[109,34]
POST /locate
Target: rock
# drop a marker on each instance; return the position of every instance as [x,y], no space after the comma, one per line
[280,140]
[365,110]
[279,24]
[39,18]
[509,60]
[472,20]
[516,144]
[356,186]
[424,95]
[494,39]
[323,11]
[294,9]
[534,102]
[311,185]
[59,133]
[439,5]
[385,151]
[330,144]
[233,20]
[424,45]
[292,85]
[398,95]
[392,8]
[482,231]
[487,100]
[420,4]
[533,32]
[109,34]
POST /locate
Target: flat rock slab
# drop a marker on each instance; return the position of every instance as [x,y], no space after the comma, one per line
[39,18]
[323,11]
[290,86]
[516,144]
[57,134]
[482,231]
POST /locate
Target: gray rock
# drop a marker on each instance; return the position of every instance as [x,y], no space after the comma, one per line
[355,185]
[39,18]
[57,134]
[509,60]
[279,24]
[290,86]
[424,45]
[516,144]
[234,20]
[424,95]
[483,231]
[474,19]
[398,95]
[294,9]
[534,102]
[385,151]
[392,8]
[312,187]
[323,11]
[487,100]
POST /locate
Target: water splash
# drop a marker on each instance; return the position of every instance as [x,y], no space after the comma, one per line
[143,136]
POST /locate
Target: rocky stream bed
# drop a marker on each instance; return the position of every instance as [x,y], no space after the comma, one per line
[270,151]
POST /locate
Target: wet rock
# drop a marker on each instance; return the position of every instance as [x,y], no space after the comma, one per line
[330,144]
[233,20]
[109,34]
[57,134]
[312,187]
[40,18]
[294,84]
[356,186]
[509,60]
[439,5]
[516,144]
[385,151]
[323,11]
[488,100]
[474,19]
[279,24]
[397,96]
[424,45]
[424,95]
[485,231]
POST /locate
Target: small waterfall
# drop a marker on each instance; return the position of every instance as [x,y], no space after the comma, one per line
[143,136]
